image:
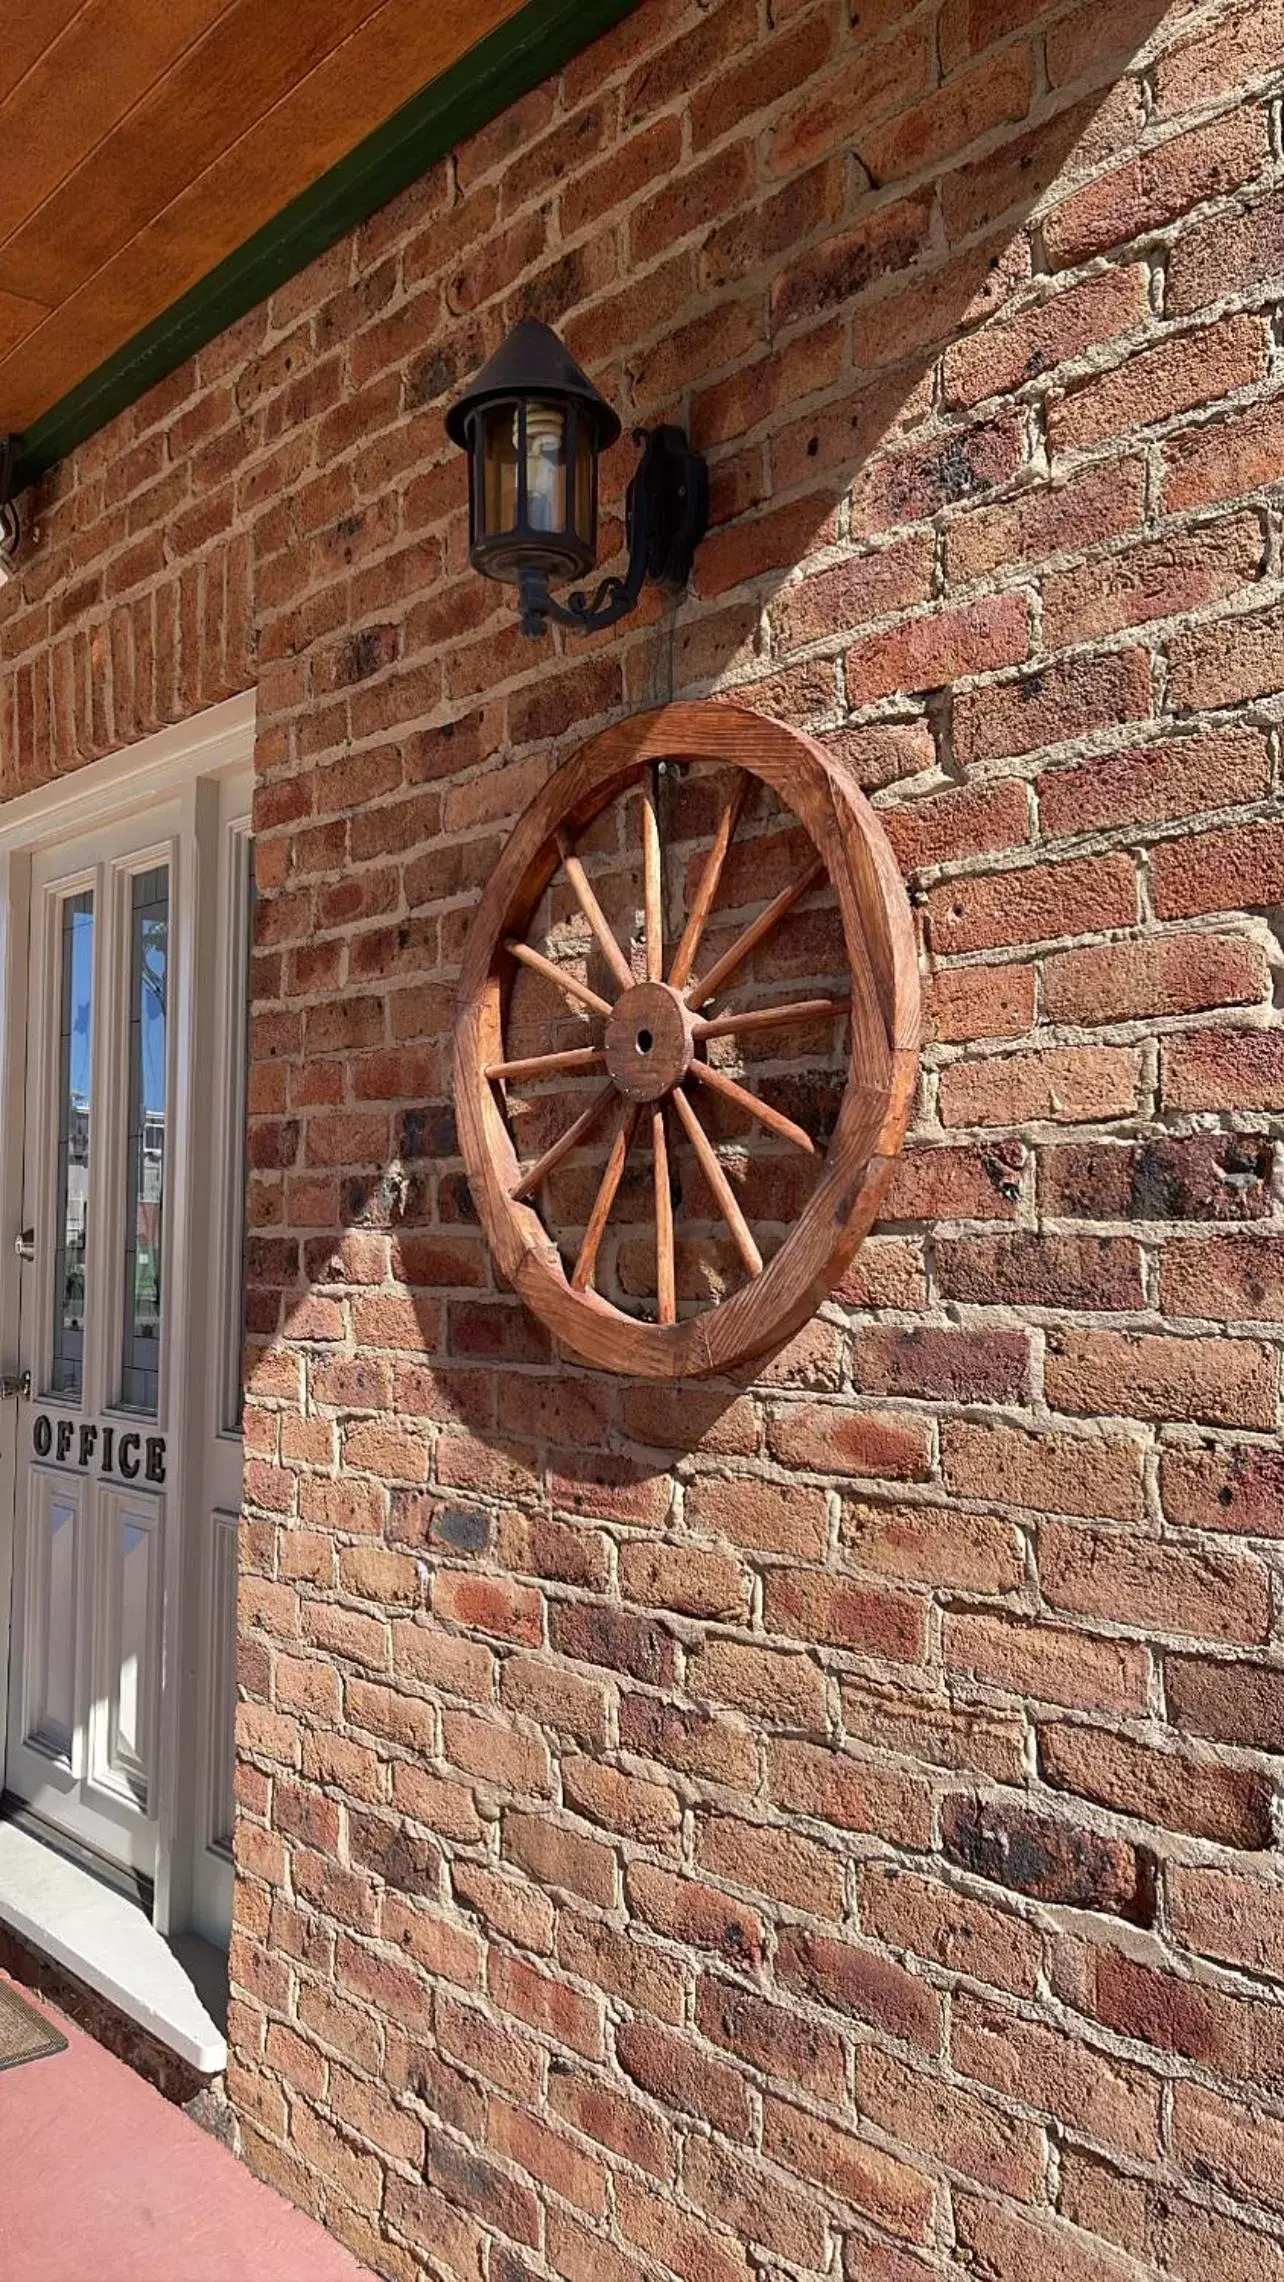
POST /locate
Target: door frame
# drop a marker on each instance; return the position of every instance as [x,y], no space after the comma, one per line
[178,761]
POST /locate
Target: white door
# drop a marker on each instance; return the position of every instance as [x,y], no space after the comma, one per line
[128,1456]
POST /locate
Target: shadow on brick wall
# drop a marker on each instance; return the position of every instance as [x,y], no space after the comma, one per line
[859,343]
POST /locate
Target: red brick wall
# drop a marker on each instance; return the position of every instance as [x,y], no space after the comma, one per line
[834,1815]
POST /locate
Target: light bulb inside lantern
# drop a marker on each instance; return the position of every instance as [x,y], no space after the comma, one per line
[545,466]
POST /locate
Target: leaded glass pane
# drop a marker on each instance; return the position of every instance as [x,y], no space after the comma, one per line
[145,1139]
[75,1045]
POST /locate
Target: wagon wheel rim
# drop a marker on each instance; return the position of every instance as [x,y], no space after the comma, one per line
[651,1033]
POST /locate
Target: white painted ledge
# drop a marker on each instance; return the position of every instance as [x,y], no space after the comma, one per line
[66,1914]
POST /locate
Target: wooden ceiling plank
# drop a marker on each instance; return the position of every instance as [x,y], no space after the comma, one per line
[83,86]
[18,319]
[28,31]
[246,64]
[398,51]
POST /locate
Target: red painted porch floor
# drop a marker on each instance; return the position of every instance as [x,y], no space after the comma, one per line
[101,2180]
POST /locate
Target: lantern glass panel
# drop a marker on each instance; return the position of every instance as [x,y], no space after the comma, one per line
[585,486]
[499,470]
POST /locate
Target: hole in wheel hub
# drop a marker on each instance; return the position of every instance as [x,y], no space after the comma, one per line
[649,1041]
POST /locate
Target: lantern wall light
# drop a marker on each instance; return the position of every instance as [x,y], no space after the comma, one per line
[533,426]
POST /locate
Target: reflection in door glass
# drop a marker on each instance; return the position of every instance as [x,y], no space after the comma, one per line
[145,1140]
[76,986]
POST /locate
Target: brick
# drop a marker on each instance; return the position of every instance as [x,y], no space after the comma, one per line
[688,2248]
[1217,56]
[1154,783]
[953,1366]
[1154,1584]
[934,1728]
[992,94]
[1238,1702]
[1240,1489]
[1209,1177]
[771,2037]
[1237,251]
[1220,2139]
[1060,1473]
[1008,2242]
[1227,1382]
[1230,1806]
[942,646]
[981,1002]
[766,1683]
[1158,186]
[1237,1920]
[1238,455]
[1224,1069]
[959,1183]
[853,1979]
[951,825]
[1234,1278]
[754,2203]
[1220,871]
[950,1929]
[1071,1084]
[1039,901]
[933,1544]
[1047,1662]
[835,1787]
[1047,1858]
[846,1441]
[1161,382]
[1052,705]
[1174,974]
[1162,579]
[687,1910]
[1022,1270]
[778,1863]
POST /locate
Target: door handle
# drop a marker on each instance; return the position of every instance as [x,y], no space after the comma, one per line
[25,1245]
[19,1385]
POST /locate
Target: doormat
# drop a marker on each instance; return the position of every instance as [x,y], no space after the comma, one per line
[25,2034]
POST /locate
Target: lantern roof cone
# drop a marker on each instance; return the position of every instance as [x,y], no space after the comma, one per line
[532,362]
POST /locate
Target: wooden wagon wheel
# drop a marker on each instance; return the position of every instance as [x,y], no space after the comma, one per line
[649,1038]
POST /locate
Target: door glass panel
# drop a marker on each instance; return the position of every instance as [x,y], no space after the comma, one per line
[145,1139]
[75,1041]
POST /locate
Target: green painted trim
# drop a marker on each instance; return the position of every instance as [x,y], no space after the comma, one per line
[521,53]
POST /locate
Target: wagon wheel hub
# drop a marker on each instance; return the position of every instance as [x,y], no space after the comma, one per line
[650,1041]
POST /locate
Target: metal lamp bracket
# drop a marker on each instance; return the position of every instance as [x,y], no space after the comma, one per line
[666,515]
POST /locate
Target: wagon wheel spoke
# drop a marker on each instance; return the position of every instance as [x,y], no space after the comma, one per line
[706,893]
[652,892]
[772,1017]
[774,1119]
[666,1282]
[719,1183]
[731,961]
[594,913]
[550,1065]
[586,1265]
[562,1147]
[552,973]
